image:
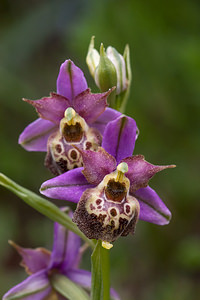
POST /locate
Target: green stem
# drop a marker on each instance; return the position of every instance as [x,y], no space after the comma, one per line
[100,273]
[105,264]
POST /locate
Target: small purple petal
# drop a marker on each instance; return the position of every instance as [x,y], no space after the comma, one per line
[108,115]
[59,244]
[71,80]
[35,287]
[91,106]
[66,246]
[140,171]
[82,277]
[114,294]
[51,108]
[119,137]
[104,164]
[68,186]
[35,135]
[71,257]
[33,260]
[152,208]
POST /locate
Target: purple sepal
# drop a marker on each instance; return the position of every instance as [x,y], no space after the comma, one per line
[140,171]
[82,277]
[90,106]
[114,294]
[71,80]
[66,245]
[35,287]
[67,186]
[36,134]
[33,260]
[71,258]
[97,165]
[51,108]
[119,137]
[108,115]
[152,208]
[59,244]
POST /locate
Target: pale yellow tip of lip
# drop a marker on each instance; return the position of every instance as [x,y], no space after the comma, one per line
[107,245]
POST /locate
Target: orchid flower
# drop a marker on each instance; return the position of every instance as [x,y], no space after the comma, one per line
[45,268]
[42,265]
[66,118]
[112,189]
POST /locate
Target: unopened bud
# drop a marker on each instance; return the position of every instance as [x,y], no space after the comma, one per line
[92,58]
[105,73]
[110,68]
[119,63]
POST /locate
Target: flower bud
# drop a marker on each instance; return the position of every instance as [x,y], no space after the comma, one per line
[110,69]
[105,73]
[119,63]
[92,58]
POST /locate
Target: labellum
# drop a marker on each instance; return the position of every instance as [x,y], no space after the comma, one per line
[61,155]
[108,211]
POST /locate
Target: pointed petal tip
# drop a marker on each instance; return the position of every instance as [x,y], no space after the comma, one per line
[111,90]
[168,219]
[13,244]
[168,166]
[161,168]
[28,101]
[152,208]
[172,166]
[165,219]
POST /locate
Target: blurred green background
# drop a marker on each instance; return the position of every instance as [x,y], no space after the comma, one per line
[36,36]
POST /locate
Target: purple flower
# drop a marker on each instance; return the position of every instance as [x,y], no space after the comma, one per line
[42,265]
[66,118]
[112,187]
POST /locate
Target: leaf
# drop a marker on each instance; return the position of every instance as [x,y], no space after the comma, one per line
[67,288]
[42,205]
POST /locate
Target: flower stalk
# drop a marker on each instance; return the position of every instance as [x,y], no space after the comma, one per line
[100,273]
[105,258]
